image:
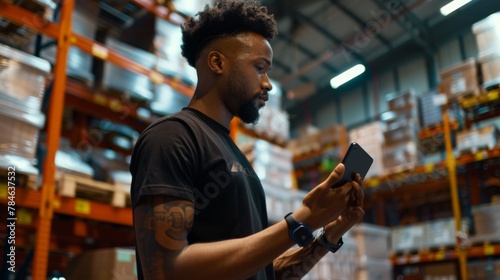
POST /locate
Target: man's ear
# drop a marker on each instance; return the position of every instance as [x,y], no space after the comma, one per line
[216,62]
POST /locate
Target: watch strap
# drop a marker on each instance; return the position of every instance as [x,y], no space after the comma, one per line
[300,233]
[323,242]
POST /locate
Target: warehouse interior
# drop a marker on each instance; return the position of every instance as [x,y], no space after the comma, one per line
[81,79]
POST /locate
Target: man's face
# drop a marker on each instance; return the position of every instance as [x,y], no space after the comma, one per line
[248,83]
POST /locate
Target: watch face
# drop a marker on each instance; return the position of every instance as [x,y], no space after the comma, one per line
[302,235]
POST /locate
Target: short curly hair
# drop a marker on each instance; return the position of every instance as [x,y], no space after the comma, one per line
[225,18]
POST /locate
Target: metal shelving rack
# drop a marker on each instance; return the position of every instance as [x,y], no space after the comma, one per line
[45,200]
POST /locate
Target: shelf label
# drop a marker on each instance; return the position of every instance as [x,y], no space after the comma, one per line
[373,182]
[24,217]
[3,191]
[56,203]
[156,77]
[100,51]
[415,258]
[401,260]
[100,99]
[480,155]
[489,250]
[82,206]
[429,168]
[440,255]
[115,105]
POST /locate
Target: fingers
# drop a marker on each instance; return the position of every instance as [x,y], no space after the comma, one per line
[357,178]
[334,176]
[358,194]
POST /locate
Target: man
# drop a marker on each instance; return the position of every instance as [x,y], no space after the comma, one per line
[199,208]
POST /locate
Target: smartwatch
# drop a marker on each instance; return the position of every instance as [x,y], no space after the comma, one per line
[323,242]
[300,233]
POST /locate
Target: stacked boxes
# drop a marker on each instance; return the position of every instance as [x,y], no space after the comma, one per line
[477,138]
[486,221]
[431,114]
[125,82]
[371,138]
[487,32]
[400,139]
[484,270]
[103,264]
[408,238]
[461,79]
[373,251]
[442,232]
[22,86]
[431,234]
[171,62]
[19,36]
[273,165]
[273,124]
[83,22]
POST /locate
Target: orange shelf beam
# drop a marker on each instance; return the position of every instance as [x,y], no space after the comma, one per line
[159,11]
[28,19]
[101,105]
[478,156]
[75,207]
[442,255]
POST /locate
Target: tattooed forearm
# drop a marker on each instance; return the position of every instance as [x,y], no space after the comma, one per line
[297,262]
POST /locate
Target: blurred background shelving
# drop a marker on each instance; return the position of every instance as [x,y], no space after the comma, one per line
[77,87]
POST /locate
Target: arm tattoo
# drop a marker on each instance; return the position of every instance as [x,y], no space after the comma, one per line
[161,225]
[172,221]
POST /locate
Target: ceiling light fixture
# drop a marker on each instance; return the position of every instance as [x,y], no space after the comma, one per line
[453,6]
[347,75]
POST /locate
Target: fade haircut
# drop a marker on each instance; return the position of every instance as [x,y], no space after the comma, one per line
[225,18]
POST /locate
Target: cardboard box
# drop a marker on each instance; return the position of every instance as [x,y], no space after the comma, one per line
[408,238]
[461,79]
[490,68]
[401,101]
[487,32]
[103,264]
[439,271]
[372,240]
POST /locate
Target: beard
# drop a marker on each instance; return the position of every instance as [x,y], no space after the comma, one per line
[248,112]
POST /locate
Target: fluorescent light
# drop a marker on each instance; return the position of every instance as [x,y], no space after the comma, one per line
[348,75]
[452,6]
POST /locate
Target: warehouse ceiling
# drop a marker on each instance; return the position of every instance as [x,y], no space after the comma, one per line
[321,38]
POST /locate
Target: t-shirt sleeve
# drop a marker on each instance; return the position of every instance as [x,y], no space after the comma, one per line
[164,162]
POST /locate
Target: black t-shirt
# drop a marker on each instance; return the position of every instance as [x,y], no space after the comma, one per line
[190,156]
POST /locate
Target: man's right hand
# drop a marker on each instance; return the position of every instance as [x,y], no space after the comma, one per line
[324,204]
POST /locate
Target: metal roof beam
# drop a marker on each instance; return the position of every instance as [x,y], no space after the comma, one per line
[409,21]
[326,33]
[360,22]
[305,50]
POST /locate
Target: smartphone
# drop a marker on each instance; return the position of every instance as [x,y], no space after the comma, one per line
[356,160]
